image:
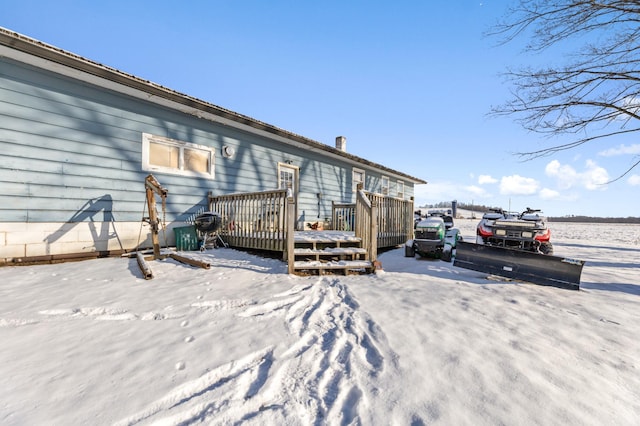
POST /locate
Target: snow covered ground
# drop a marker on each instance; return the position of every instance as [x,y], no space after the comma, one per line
[422,342]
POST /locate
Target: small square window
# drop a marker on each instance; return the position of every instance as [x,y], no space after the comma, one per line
[196,160]
[384,183]
[358,178]
[162,155]
[400,189]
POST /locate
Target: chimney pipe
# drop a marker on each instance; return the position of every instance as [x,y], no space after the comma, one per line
[341,143]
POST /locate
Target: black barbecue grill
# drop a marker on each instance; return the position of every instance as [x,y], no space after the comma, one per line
[208,224]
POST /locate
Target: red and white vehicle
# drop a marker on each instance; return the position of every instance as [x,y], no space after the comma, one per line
[526,231]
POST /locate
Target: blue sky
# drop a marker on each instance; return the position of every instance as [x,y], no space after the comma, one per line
[408,83]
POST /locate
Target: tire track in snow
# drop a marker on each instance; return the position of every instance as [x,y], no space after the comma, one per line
[327,375]
[217,390]
[106,314]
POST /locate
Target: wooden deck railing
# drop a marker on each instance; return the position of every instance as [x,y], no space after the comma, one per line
[395,219]
[266,220]
[343,216]
[254,220]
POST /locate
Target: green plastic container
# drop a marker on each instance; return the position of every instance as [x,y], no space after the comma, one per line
[186,238]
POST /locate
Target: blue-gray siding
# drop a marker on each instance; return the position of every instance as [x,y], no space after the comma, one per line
[72,152]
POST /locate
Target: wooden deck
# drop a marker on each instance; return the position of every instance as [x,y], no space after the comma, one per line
[266,221]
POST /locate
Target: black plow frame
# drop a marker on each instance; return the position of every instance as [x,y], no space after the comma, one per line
[536,268]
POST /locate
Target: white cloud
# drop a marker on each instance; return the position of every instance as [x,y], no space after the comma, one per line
[476,191]
[435,192]
[518,185]
[593,177]
[634,180]
[483,179]
[565,175]
[549,194]
[621,150]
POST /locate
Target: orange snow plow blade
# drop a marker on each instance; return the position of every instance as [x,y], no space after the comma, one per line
[536,268]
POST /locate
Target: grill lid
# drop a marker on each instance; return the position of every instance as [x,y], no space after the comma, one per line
[208,222]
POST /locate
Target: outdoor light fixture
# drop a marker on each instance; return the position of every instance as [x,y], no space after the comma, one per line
[228,151]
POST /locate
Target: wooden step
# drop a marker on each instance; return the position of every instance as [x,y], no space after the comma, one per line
[344,266]
[330,253]
[319,240]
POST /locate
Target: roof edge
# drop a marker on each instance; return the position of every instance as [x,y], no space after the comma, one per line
[51,53]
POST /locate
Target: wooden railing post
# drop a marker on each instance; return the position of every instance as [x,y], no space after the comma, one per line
[409,219]
[373,248]
[334,215]
[367,224]
[290,231]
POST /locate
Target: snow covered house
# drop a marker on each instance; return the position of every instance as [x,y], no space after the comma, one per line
[78,138]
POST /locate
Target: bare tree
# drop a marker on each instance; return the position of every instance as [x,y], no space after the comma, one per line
[596,93]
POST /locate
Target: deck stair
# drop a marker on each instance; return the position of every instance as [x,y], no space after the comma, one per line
[319,252]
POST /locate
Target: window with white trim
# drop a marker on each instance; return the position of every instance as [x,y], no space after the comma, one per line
[384,185]
[178,157]
[287,177]
[400,189]
[358,177]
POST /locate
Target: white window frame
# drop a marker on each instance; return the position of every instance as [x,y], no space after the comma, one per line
[148,139]
[294,170]
[400,189]
[384,185]
[355,172]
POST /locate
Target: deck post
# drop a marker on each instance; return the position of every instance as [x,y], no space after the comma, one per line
[290,230]
[373,248]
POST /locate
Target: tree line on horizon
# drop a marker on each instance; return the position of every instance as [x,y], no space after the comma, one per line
[592,219]
[480,208]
